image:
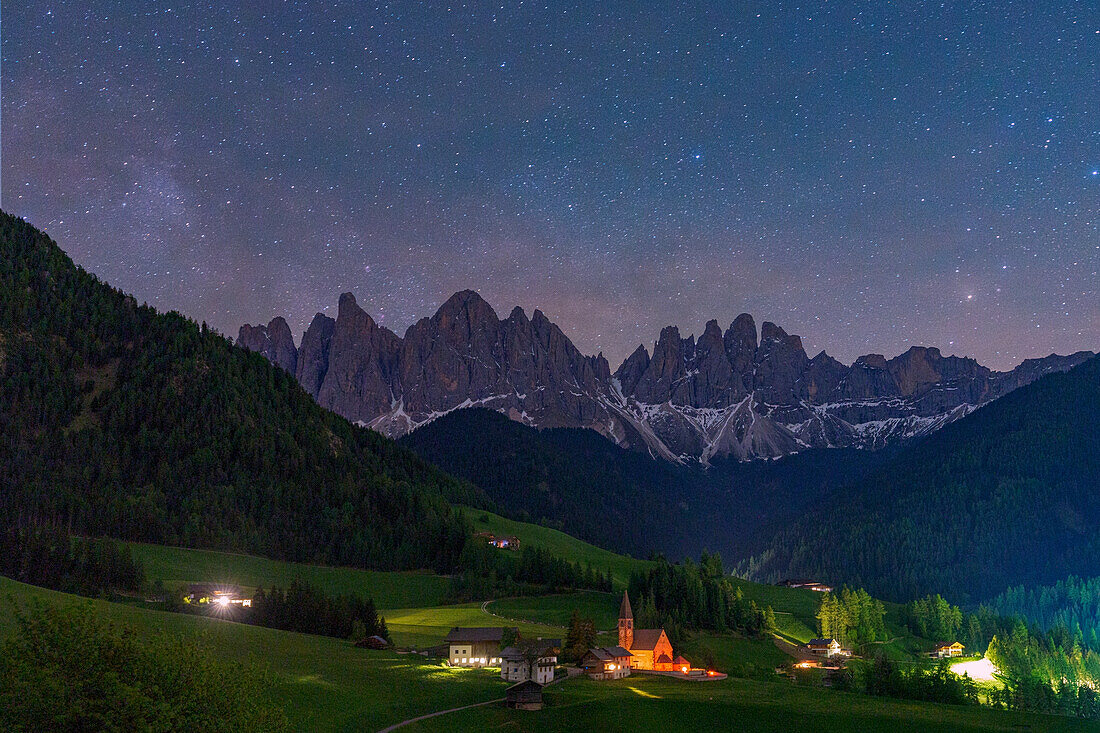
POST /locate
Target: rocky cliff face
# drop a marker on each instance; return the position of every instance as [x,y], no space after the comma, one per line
[729,393]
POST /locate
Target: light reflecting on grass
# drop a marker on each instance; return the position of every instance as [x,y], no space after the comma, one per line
[981,670]
[643,693]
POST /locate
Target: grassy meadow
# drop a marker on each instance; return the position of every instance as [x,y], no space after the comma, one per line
[178,565]
[560,544]
[324,684]
[642,702]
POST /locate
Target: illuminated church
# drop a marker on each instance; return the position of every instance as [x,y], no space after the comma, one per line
[650,648]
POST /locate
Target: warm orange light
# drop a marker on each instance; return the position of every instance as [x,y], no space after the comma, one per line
[684,670]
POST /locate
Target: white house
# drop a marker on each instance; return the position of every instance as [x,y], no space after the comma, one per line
[824,647]
[515,664]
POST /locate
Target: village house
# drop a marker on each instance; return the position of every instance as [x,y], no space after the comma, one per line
[223,596]
[372,642]
[474,647]
[515,661]
[526,695]
[606,663]
[824,647]
[947,650]
[509,542]
[649,648]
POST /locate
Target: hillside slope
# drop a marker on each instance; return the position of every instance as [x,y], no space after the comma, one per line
[582,483]
[120,420]
[1004,497]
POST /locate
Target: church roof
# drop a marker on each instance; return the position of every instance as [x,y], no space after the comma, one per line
[624,607]
[664,659]
[646,639]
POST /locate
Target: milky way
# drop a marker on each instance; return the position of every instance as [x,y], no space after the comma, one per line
[868,175]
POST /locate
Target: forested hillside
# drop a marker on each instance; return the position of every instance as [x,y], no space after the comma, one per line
[120,420]
[1003,497]
[576,480]
[1073,604]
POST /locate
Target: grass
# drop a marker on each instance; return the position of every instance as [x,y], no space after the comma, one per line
[178,565]
[426,627]
[560,544]
[324,684]
[736,656]
[642,702]
[555,610]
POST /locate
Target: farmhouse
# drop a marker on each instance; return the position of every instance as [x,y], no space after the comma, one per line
[526,695]
[516,661]
[503,542]
[947,650]
[606,663]
[824,647]
[649,648]
[474,647]
[372,642]
[223,596]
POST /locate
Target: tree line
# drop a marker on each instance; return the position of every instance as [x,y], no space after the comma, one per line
[46,555]
[691,596]
[485,571]
[852,617]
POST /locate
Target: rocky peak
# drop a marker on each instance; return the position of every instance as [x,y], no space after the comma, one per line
[313,353]
[632,369]
[274,341]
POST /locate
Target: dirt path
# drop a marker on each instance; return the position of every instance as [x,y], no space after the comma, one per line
[395,726]
[570,673]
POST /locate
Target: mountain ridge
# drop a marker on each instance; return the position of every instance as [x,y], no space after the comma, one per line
[740,392]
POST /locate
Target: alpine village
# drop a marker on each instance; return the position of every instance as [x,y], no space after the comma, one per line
[546,367]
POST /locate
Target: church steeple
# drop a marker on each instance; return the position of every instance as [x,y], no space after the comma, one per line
[626,623]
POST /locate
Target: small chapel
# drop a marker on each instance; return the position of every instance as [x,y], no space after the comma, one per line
[649,648]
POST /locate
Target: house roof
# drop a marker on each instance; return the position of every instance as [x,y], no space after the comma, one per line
[525,686]
[624,607]
[948,645]
[822,642]
[476,633]
[545,648]
[607,653]
[664,659]
[646,639]
[679,661]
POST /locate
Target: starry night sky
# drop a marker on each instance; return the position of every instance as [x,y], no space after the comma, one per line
[869,175]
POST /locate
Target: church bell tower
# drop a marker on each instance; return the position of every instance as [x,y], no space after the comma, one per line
[626,623]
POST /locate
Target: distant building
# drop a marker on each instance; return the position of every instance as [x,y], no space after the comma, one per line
[947,650]
[606,663]
[515,661]
[824,647]
[649,648]
[526,695]
[372,642]
[807,584]
[216,595]
[474,647]
[509,542]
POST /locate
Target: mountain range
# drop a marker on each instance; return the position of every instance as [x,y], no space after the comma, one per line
[743,393]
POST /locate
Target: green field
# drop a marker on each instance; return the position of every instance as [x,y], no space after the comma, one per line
[324,684]
[560,544]
[426,627]
[555,610]
[642,702]
[178,565]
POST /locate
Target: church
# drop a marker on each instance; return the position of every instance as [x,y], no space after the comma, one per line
[649,648]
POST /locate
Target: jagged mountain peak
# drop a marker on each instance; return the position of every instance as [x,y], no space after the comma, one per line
[723,394]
